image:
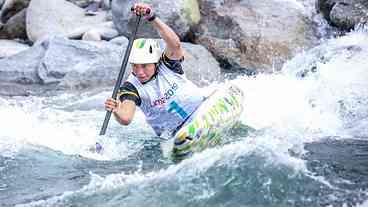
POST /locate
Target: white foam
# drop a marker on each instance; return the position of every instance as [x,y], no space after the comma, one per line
[32,122]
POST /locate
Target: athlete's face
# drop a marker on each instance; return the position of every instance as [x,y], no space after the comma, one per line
[144,72]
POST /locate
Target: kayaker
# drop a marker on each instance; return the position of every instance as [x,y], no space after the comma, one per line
[157,84]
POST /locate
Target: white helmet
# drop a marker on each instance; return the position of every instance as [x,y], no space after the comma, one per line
[145,51]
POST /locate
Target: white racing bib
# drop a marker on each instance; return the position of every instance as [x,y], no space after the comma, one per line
[168,100]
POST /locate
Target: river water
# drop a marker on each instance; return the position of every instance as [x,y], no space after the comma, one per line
[310,147]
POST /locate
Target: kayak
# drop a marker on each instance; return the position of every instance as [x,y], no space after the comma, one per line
[216,115]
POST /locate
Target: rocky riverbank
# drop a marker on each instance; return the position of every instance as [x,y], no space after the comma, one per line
[55,45]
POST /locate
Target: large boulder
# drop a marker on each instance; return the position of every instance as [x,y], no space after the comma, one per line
[92,64]
[15,27]
[58,18]
[254,35]
[12,7]
[82,63]
[11,47]
[344,14]
[199,65]
[22,67]
[181,15]
[50,61]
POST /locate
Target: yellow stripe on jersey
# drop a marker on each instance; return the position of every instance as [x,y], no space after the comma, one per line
[127,93]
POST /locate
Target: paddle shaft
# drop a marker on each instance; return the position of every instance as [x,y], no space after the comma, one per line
[121,74]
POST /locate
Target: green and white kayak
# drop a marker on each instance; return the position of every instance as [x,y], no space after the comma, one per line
[216,115]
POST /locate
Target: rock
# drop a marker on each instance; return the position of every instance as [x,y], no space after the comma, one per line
[121,40]
[108,31]
[324,7]
[11,47]
[347,16]
[58,18]
[92,35]
[22,67]
[106,4]
[81,3]
[12,7]
[92,62]
[344,14]
[181,15]
[199,65]
[51,61]
[15,27]
[253,35]
[105,31]
[108,16]
[13,89]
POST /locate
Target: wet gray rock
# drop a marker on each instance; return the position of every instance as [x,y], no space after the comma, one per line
[16,89]
[253,34]
[344,14]
[15,27]
[81,3]
[22,67]
[93,62]
[58,18]
[199,65]
[11,47]
[92,35]
[106,4]
[181,15]
[121,40]
[50,61]
[12,7]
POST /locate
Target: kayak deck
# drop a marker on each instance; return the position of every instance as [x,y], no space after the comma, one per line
[216,115]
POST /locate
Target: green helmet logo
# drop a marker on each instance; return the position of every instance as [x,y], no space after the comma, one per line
[140,43]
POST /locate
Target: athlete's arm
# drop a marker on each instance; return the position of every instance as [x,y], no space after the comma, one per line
[124,108]
[174,50]
[123,111]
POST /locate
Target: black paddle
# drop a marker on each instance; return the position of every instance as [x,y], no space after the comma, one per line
[120,77]
[121,74]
